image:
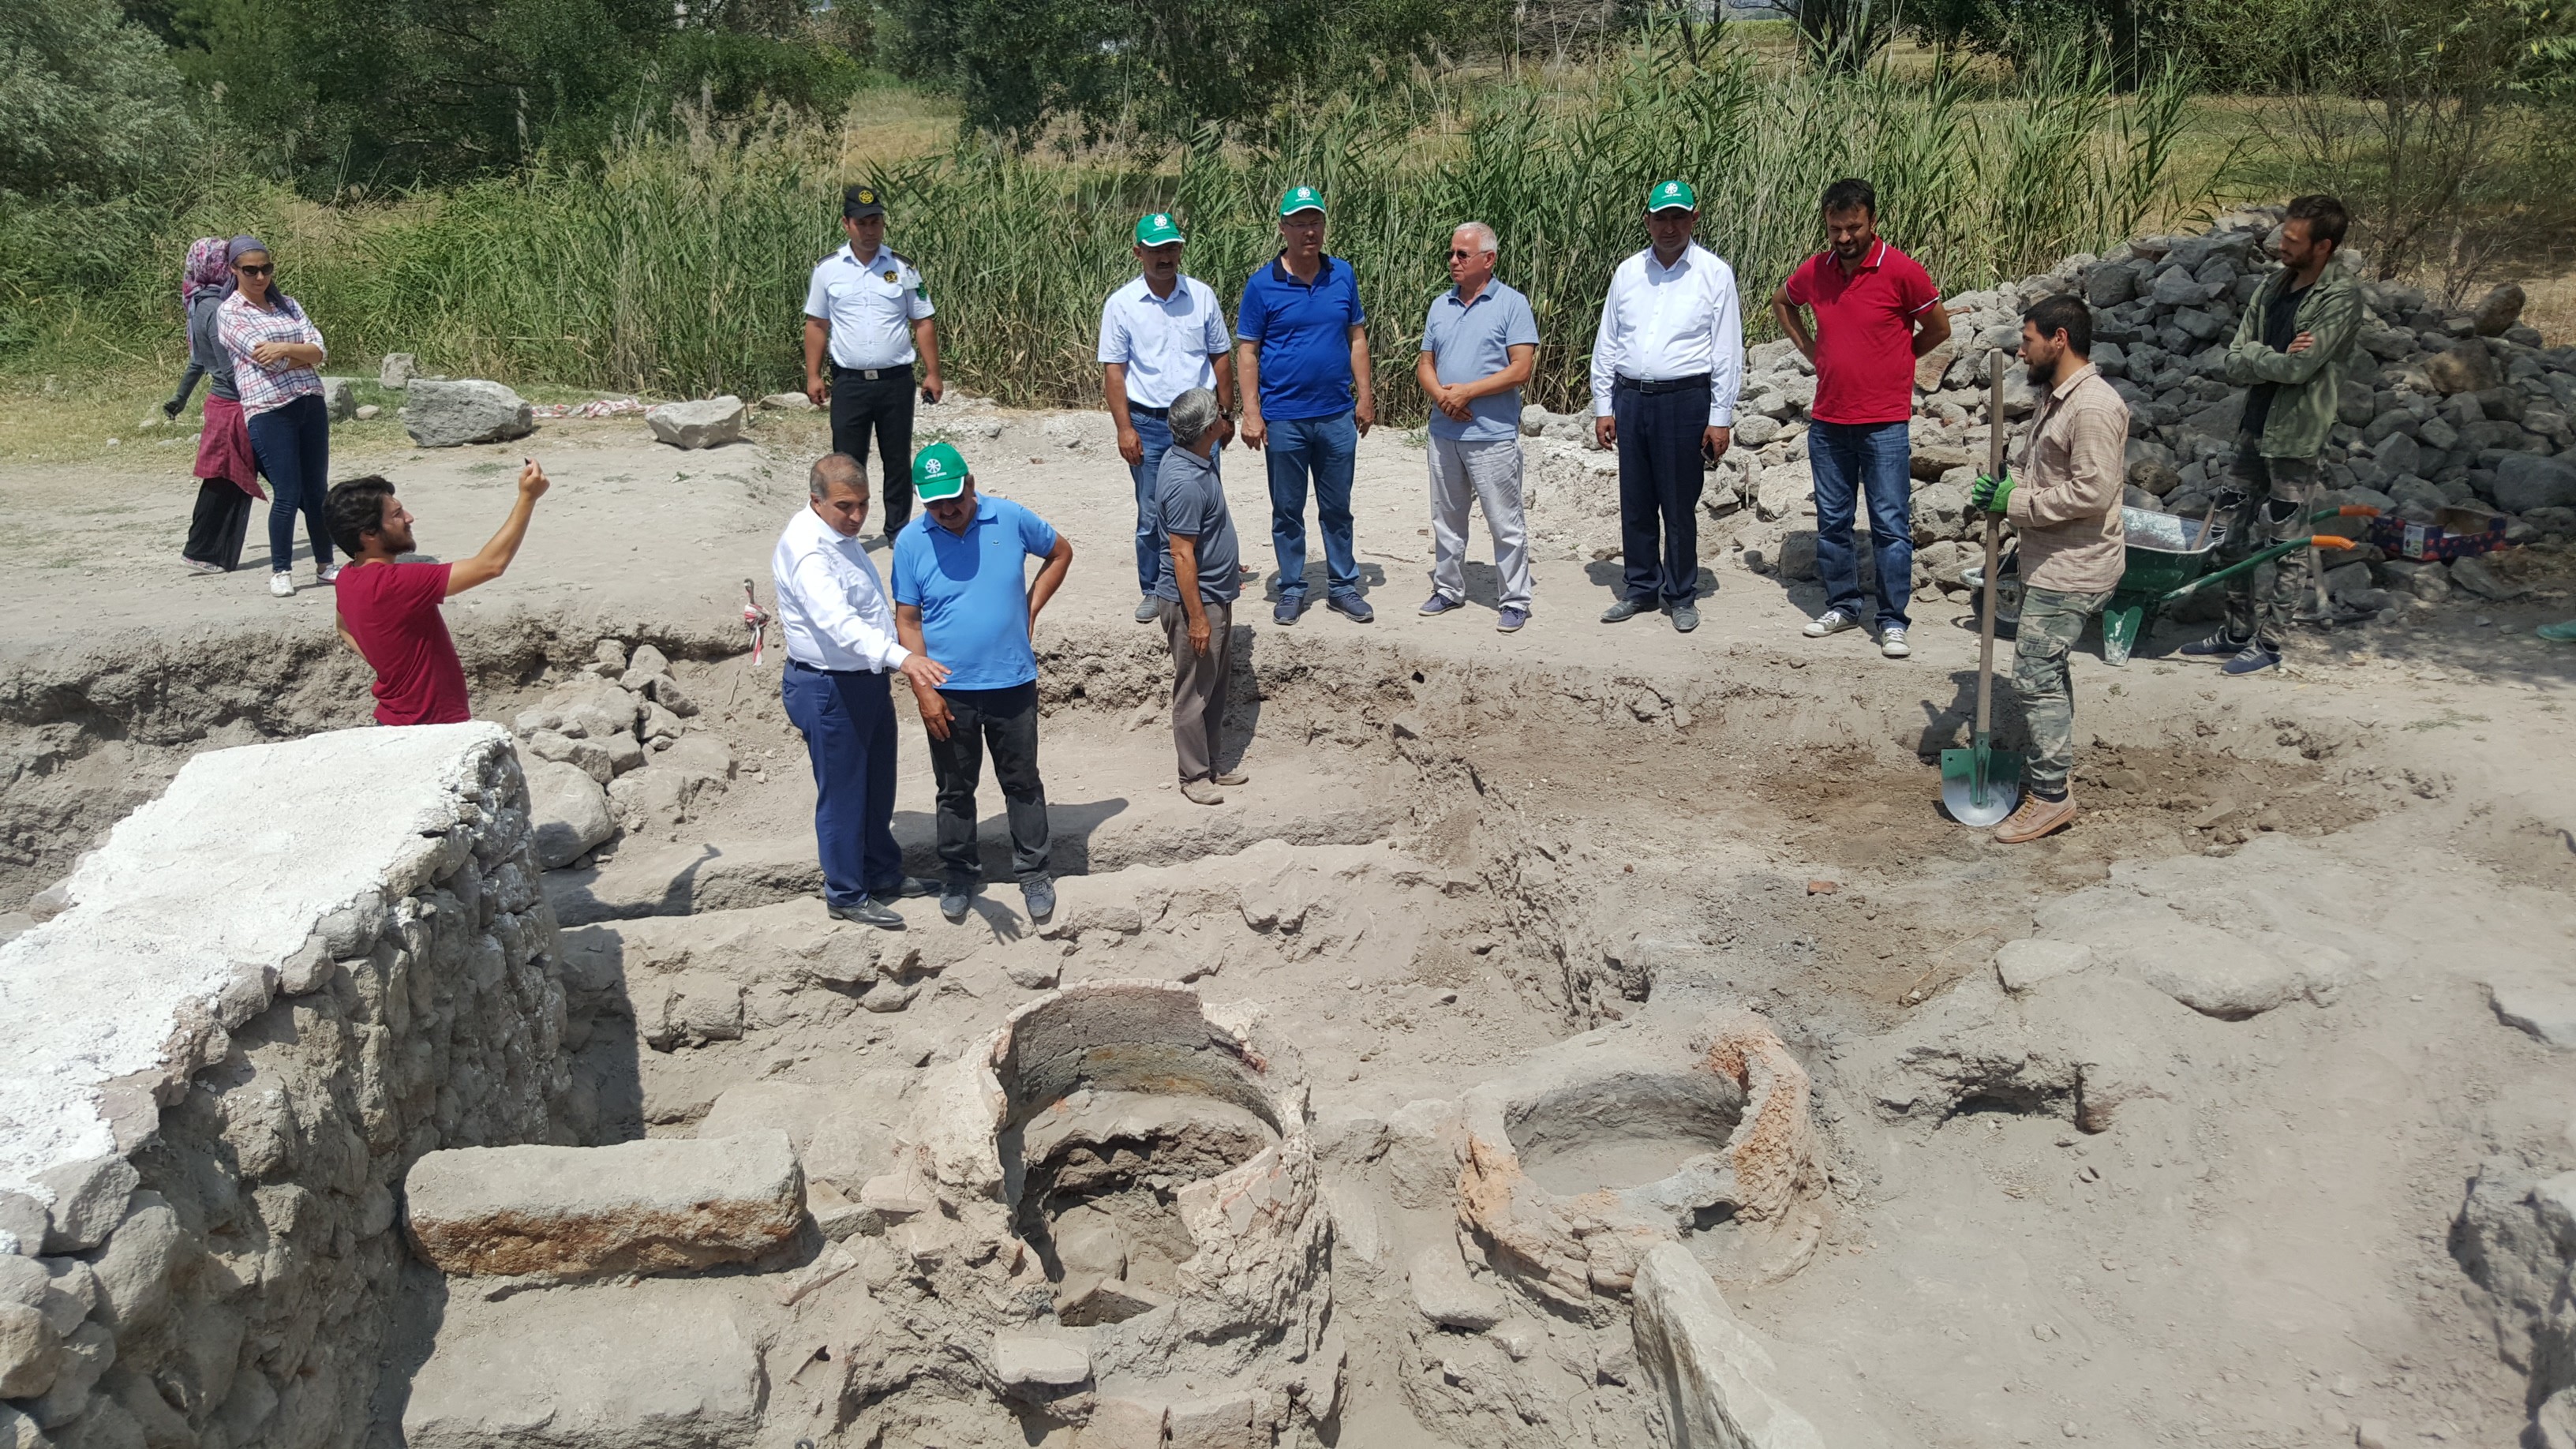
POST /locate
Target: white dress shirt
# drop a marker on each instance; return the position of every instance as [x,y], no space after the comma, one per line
[832,608]
[869,307]
[1168,344]
[1659,323]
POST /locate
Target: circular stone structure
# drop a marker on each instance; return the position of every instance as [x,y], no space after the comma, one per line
[1598,1149]
[1137,1170]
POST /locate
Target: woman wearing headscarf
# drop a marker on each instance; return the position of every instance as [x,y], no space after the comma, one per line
[274,350]
[205,269]
[228,479]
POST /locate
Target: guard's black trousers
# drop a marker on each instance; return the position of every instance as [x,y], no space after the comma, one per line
[883,406]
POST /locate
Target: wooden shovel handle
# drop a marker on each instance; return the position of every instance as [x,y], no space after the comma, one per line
[1994,528]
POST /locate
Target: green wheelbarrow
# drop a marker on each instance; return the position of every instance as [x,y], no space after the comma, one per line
[2166,556]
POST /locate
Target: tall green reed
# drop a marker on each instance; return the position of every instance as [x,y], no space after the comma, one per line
[676,263]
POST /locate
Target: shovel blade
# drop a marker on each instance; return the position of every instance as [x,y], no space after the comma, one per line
[1980,785]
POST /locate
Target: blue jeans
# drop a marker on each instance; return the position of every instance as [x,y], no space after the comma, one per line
[1329,449]
[1153,551]
[848,724]
[1848,459]
[293,447]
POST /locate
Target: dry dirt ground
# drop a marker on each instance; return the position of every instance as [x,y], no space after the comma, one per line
[1488,843]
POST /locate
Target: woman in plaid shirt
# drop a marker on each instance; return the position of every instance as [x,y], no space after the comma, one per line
[275,350]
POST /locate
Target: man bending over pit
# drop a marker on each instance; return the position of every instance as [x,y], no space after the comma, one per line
[389,609]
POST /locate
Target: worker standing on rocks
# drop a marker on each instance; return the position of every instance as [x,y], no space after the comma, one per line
[2065,511]
[1667,363]
[388,610]
[841,652]
[1876,313]
[1478,346]
[961,591]
[2291,346]
[1160,335]
[870,306]
[1308,399]
[1198,590]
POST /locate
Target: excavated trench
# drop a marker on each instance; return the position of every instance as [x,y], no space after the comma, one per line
[1376,1096]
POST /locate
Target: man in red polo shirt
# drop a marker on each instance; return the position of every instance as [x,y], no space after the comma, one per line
[1876,312]
[389,610]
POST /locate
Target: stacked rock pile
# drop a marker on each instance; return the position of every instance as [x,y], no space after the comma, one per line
[617,749]
[2441,407]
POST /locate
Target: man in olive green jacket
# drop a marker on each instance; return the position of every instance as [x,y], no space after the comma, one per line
[2291,348]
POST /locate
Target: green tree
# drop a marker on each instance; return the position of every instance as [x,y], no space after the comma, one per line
[88,101]
[1162,67]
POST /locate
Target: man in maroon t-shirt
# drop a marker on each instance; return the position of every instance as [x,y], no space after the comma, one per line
[389,610]
[1876,312]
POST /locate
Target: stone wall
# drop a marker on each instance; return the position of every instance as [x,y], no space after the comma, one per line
[265,996]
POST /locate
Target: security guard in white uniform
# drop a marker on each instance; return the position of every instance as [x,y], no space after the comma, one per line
[870,305]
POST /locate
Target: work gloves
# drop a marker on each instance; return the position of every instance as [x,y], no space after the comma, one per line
[1990,495]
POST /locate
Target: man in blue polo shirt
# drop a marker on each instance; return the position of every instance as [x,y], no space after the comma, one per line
[1478,346]
[962,595]
[1302,354]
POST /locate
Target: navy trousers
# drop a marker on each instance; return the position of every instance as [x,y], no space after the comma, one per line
[1153,550]
[1659,486]
[848,724]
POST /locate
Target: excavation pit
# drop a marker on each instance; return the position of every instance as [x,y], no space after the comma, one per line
[1134,1175]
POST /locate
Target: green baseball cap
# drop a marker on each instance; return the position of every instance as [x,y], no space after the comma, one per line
[1300,198]
[1159,229]
[938,471]
[1670,194]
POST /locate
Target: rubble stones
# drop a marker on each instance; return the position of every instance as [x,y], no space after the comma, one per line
[340,398]
[658,1205]
[1022,1359]
[704,423]
[89,1201]
[2546,1013]
[396,371]
[2498,310]
[2526,482]
[2022,965]
[453,414]
[1445,1294]
[2462,367]
[568,811]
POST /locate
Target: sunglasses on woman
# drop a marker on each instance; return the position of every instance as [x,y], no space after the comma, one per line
[262,270]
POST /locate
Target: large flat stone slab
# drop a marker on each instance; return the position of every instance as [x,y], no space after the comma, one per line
[655,1364]
[656,1206]
[1708,1371]
[183,921]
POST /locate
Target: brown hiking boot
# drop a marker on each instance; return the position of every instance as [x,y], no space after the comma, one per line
[2035,818]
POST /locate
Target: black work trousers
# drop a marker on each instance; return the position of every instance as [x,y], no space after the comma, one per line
[1004,721]
[881,406]
[1660,478]
[217,528]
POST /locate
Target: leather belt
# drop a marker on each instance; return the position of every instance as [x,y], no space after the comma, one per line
[795,663]
[1670,384]
[876,374]
[1158,414]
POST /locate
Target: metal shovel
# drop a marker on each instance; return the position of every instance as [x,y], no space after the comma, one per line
[1980,785]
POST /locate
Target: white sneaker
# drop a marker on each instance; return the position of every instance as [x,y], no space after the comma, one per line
[1831,621]
[282,585]
[1891,642]
[329,574]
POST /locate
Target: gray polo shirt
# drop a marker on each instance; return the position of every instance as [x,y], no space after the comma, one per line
[1193,503]
[1470,340]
